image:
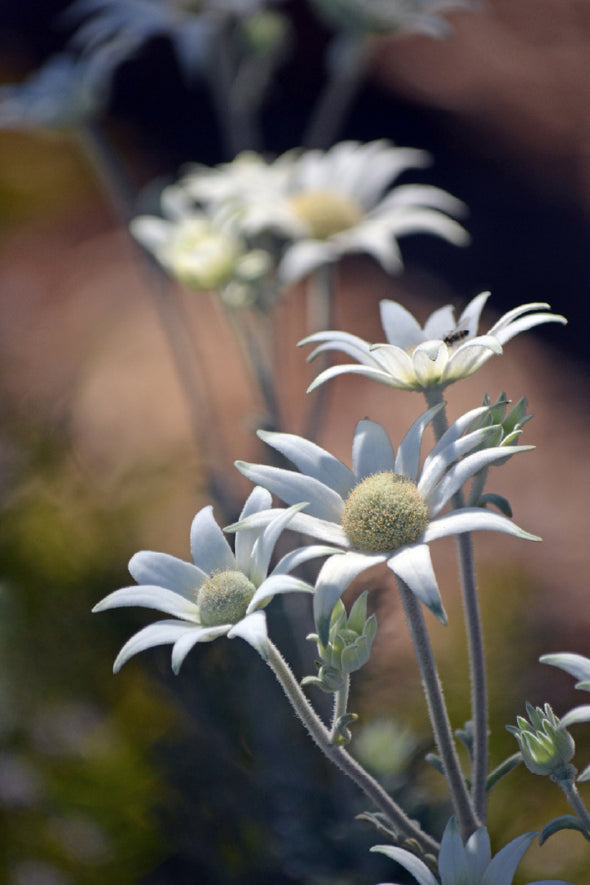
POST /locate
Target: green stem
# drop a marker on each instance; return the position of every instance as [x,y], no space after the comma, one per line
[472,615]
[575,800]
[441,727]
[340,706]
[407,828]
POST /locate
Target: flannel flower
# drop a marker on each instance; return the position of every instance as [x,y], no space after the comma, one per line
[386,509]
[217,596]
[469,864]
[416,358]
[325,204]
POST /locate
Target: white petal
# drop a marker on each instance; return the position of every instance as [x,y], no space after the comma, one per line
[478,854]
[334,577]
[440,323]
[295,488]
[464,470]
[434,467]
[525,323]
[295,558]
[430,361]
[577,665]
[469,319]
[257,568]
[577,714]
[185,643]
[167,571]
[473,519]
[303,257]
[503,866]
[160,633]
[452,853]
[508,318]
[374,374]
[372,451]
[453,433]
[409,862]
[153,233]
[312,460]
[351,345]
[252,628]
[149,596]
[400,327]
[321,529]
[397,363]
[414,566]
[258,499]
[209,547]
[470,357]
[276,585]
[408,455]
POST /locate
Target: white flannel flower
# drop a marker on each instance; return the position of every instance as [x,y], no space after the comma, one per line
[217,596]
[326,204]
[387,508]
[200,250]
[442,352]
[469,864]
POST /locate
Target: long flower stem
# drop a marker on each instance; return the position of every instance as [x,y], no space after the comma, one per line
[110,172]
[477,666]
[441,727]
[340,707]
[403,825]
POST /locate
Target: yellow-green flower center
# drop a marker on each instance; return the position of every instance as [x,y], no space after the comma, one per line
[201,256]
[224,598]
[325,212]
[383,513]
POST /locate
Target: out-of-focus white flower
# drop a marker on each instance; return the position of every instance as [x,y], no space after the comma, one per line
[217,596]
[442,352]
[65,93]
[391,16]
[326,204]
[387,508]
[201,251]
[469,864]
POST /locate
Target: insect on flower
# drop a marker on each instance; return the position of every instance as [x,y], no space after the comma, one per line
[454,337]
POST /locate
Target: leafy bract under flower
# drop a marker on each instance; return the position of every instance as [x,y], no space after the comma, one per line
[220,594]
[469,864]
[443,351]
[328,485]
[325,204]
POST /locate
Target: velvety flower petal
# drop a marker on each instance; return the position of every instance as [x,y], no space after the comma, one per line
[160,633]
[414,566]
[525,323]
[323,530]
[349,344]
[502,867]
[296,488]
[470,357]
[209,547]
[577,665]
[148,596]
[275,585]
[452,855]
[258,499]
[163,570]
[264,546]
[577,714]
[334,371]
[252,628]
[372,451]
[469,318]
[399,325]
[312,460]
[434,467]
[298,557]
[472,519]
[408,454]
[440,323]
[397,363]
[335,575]
[409,862]
[305,256]
[429,361]
[188,640]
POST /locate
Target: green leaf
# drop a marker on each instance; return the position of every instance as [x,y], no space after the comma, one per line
[498,501]
[502,770]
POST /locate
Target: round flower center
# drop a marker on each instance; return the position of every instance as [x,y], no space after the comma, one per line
[201,256]
[383,513]
[224,598]
[325,212]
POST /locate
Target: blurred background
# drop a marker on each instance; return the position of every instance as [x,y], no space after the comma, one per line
[147,778]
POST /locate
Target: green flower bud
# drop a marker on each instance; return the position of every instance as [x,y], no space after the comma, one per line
[546,746]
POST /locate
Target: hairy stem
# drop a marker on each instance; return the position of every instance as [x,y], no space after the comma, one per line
[575,800]
[477,667]
[402,824]
[441,727]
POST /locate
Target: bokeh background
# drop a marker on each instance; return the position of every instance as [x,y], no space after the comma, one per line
[147,778]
